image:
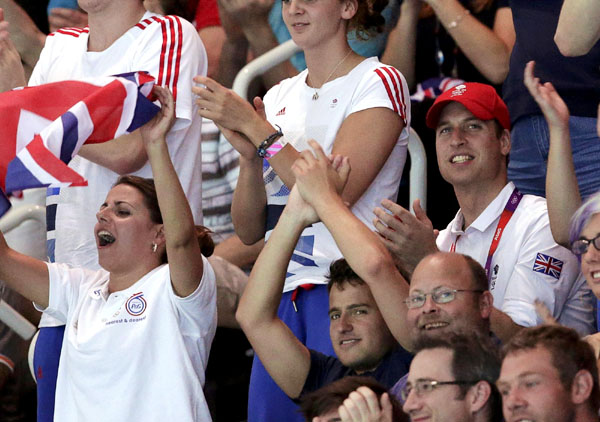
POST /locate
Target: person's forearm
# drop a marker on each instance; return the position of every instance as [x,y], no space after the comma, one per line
[503,326]
[262,40]
[248,208]
[233,58]
[122,155]
[562,192]
[401,47]
[236,252]
[262,295]
[371,261]
[175,210]
[488,53]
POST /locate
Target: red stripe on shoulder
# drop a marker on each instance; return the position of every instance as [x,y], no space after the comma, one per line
[386,84]
[177,56]
[171,52]
[397,82]
[146,22]
[74,32]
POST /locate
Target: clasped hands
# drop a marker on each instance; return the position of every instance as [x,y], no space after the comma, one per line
[319,182]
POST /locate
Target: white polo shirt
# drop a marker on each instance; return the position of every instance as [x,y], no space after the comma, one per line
[527,265]
[134,355]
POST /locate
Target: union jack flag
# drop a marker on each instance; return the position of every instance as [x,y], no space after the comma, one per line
[548,265]
[43,127]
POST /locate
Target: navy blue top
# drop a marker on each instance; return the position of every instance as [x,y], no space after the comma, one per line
[326,369]
[577,79]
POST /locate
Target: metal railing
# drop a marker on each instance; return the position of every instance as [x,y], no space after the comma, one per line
[418,158]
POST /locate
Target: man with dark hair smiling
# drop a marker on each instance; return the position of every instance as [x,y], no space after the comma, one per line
[549,375]
[364,293]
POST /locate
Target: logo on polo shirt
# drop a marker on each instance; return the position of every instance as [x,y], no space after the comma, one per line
[494,276]
[136,304]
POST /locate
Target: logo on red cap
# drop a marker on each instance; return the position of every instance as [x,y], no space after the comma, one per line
[458,90]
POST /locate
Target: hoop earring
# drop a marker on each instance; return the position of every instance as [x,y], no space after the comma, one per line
[154,247]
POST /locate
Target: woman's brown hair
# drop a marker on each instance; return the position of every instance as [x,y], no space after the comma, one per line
[148,191]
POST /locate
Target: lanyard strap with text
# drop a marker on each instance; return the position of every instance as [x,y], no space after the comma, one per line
[508,212]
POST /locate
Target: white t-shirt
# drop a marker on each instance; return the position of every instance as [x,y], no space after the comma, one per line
[134,355]
[170,50]
[527,265]
[289,105]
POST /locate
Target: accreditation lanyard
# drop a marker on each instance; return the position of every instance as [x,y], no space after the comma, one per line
[508,212]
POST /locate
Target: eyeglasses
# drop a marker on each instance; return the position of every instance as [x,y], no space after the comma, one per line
[439,295]
[580,246]
[424,386]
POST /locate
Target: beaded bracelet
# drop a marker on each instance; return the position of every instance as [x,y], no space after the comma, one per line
[262,150]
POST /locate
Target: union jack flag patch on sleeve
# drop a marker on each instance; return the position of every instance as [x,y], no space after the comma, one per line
[548,265]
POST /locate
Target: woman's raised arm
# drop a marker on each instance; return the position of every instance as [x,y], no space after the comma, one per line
[185,262]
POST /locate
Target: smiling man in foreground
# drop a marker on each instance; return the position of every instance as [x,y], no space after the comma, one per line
[366,291]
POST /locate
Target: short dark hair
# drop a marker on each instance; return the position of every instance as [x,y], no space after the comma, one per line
[569,352]
[332,396]
[340,273]
[475,357]
[148,190]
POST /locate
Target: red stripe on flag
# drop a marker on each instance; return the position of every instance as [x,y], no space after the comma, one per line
[52,165]
[387,88]
[106,107]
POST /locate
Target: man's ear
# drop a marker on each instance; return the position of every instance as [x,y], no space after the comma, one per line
[478,395]
[581,389]
[505,142]
[486,303]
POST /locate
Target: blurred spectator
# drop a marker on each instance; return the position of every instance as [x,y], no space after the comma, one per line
[465,39]
[578,27]
[505,231]
[548,373]
[258,24]
[577,81]
[27,38]
[351,399]
[452,378]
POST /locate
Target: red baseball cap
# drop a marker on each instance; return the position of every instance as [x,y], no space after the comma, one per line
[480,99]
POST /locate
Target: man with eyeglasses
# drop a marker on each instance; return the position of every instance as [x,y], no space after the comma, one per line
[506,232]
[448,295]
[453,378]
[549,375]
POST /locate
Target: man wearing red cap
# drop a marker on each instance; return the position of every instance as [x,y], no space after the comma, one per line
[506,232]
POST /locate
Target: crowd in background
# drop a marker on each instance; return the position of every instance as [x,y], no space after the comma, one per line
[263,250]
